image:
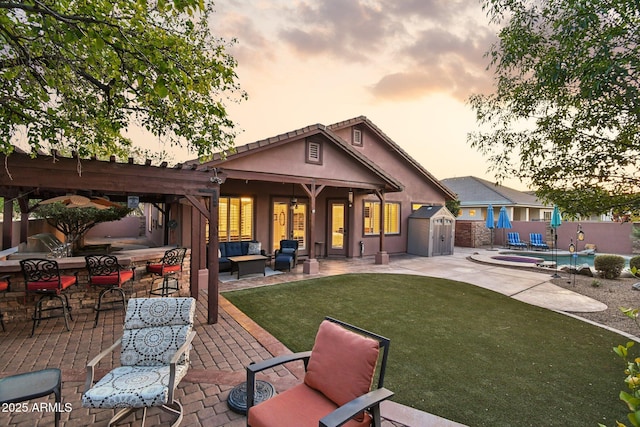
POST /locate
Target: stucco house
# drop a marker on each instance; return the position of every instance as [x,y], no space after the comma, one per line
[324,186]
[476,194]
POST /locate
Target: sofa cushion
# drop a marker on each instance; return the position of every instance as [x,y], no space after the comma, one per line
[342,363]
[222,251]
[234,249]
[288,251]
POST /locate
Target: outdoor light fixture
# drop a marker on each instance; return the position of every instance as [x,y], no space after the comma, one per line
[294,200]
[580,233]
[350,198]
[572,247]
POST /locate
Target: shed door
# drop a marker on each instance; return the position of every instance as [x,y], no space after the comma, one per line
[442,236]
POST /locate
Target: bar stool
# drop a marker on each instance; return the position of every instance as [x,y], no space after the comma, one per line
[42,276]
[105,272]
[168,269]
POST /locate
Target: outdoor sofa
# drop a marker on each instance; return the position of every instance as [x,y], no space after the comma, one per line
[231,249]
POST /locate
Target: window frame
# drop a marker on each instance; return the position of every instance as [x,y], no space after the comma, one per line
[375,222]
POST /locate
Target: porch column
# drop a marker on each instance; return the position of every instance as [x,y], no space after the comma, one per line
[382,257]
[7,224]
[196,253]
[311,266]
[212,256]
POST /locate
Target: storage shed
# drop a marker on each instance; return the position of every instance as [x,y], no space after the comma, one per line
[431,231]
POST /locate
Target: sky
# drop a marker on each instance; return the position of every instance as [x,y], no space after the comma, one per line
[408,65]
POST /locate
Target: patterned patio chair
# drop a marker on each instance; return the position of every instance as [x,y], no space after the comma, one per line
[154,358]
[513,240]
[536,242]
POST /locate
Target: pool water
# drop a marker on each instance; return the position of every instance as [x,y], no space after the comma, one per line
[563,259]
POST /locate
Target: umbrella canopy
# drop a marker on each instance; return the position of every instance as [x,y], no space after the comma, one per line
[490,220]
[503,219]
[76,201]
[556,218]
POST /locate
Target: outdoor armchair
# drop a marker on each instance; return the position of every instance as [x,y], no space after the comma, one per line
[154,358]
[287,256]
[336,390]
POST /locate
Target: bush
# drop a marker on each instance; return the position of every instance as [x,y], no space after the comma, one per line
[634,265]
[609,266]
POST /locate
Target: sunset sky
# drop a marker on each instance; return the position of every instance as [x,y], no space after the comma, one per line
[408,65]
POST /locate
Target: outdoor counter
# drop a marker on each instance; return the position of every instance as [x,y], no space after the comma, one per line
[82,297]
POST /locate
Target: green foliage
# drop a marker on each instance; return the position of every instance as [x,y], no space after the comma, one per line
[634,265]
[632,372]
[75,222]
[453,206]
[566,101]
[76,74]
[609,266]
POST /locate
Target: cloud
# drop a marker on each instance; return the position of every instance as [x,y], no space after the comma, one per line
[349,30]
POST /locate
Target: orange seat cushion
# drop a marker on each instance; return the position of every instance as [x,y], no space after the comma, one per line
[112,279]
[4,285]
[163,268]
[51,285]
[342,363]
[299,406]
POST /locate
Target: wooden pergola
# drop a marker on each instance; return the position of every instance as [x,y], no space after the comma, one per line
[23,178]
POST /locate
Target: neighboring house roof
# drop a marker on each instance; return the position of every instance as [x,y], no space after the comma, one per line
[375,129]
[473,191]
[429,212]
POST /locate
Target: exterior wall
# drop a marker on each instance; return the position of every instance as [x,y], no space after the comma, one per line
[126,227]
[472,234]
[609,237]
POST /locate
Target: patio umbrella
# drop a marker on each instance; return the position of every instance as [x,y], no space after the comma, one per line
[490,222]
[503,220]
[76,201]
[556,221]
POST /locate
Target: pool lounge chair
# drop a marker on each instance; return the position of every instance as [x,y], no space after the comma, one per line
[513,240]
[536,242]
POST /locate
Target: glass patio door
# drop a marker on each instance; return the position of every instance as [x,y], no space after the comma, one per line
[338,228]
[289,222]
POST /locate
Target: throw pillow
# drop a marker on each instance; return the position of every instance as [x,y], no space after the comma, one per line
[254,248]
[342,363]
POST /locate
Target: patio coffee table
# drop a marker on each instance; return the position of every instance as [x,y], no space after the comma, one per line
[248,264]
[30,385]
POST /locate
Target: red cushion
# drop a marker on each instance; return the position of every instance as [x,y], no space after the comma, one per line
[163,268]
[342,363]
[112,279]
[51,285]
[299,406]
[4,285]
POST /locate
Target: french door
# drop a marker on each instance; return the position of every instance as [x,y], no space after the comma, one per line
[337,239]
[289,223]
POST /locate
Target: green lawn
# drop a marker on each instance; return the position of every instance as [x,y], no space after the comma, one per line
[459,351]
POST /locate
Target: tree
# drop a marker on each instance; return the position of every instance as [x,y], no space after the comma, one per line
[76,73]
[565,115]
[75,222]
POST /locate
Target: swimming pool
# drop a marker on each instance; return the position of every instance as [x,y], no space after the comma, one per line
[563,258]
